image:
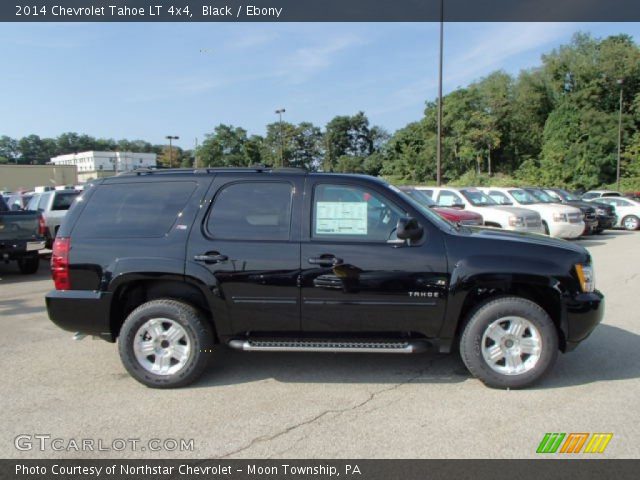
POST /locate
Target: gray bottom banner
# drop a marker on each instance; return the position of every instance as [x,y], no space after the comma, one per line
[319,469]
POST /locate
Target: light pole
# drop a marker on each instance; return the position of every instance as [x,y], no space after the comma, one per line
[619,82]
[439,142]
[170,138]
[280,111]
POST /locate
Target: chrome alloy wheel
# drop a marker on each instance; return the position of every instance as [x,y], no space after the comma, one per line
[161,346]
[511,345]
[631,223]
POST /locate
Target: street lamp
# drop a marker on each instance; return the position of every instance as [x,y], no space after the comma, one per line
[620,82]
[170,138]
[439,142]
[280,111]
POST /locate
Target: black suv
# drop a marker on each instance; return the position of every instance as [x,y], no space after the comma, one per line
[172,263]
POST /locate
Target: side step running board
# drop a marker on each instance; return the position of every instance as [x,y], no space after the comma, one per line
[414,346]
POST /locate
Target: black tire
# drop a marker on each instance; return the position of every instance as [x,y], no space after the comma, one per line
[198,331]
[631,220]
[477,325]
[29,265]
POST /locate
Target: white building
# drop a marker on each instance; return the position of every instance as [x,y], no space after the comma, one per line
[92,165]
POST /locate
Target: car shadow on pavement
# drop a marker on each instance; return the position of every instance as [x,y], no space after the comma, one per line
[9,273]
[611,353]
[229,367]
[18,307]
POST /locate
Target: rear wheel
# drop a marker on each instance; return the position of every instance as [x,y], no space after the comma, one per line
[509,342]
[164,343]
[29,265]
[630,222]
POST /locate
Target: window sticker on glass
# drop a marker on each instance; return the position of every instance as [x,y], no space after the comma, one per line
[341,218]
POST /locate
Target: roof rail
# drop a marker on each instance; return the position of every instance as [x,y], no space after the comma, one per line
[207,170]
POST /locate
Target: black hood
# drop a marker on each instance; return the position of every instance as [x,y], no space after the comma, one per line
[525,237]
[586,207]
[610,209]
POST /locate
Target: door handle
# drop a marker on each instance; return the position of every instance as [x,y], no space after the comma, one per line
[210,258]
[326,261]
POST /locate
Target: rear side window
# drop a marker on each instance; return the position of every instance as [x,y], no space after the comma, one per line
[142,210]
[252,211]
[33,202]
[62,201]
[43,201]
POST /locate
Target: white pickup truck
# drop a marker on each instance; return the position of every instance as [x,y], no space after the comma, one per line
[562,221]
[495,215]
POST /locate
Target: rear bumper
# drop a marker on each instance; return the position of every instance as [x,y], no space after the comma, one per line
[83,311]
[583,313]
[13,249]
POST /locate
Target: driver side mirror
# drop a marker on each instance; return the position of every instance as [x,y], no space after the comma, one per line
[458,205]
[409,229]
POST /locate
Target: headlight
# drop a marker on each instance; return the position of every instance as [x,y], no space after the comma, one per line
[601,211]
[560,217]
[586,277]
[516,221]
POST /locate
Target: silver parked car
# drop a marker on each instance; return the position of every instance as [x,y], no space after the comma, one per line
[53,205]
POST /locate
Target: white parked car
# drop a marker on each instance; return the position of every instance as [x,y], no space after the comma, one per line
[558,220]
[593,194]
[627,210]
[473,200]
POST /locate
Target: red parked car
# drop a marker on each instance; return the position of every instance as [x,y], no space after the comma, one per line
[452,214]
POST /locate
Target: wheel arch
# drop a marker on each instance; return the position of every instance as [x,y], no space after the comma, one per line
[476,291]
[129,294]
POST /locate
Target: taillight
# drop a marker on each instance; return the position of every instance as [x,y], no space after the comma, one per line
[60,263]
[42,227]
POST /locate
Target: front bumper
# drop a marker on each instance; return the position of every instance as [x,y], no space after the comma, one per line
[84,311]
[606,221]
[584,312]
[566,230]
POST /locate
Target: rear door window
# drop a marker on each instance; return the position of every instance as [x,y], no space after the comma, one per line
[140,210]
[252,211]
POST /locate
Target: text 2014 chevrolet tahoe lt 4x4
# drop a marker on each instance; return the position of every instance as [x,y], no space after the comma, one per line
[172,263]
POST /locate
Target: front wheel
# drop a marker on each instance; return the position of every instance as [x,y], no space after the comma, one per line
[630,222]
[509,342]
[164,344]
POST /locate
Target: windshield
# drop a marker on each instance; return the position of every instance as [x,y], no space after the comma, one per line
[419,196]
[477,198]
[568,196]
[426,211]
[523,197]
[541,196]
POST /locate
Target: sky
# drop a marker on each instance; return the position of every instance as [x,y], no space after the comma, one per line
[149,80]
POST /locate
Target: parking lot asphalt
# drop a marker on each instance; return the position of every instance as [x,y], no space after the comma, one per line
[273,405]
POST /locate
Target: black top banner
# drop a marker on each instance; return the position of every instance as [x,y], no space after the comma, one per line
[319,10]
